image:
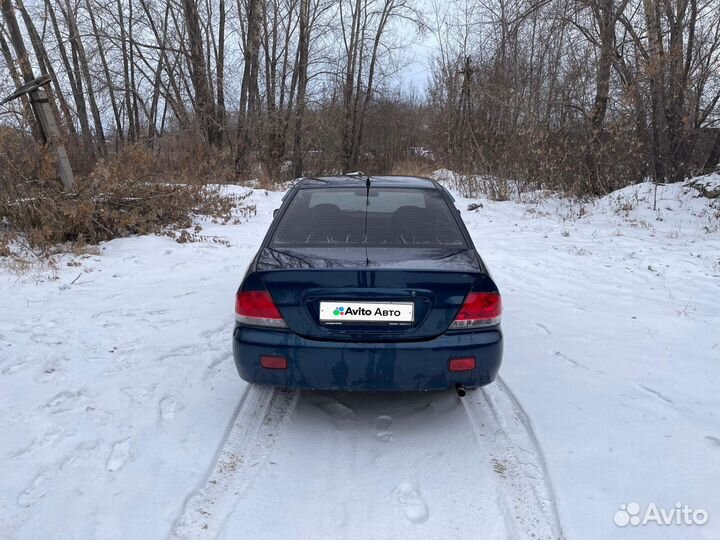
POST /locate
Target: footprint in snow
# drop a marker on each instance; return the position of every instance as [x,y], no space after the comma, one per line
[82,453]
[333,408]
[13,368]
[139,394]
[51,370]
[67,401]
[119,455]
[35,492]
[216,365]
[382,427]
[713,440]
[39,487]
[102,418]
[215,332]
[408,497]
[170,404]
[49,438]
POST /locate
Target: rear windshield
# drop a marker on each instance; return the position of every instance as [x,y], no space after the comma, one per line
[388,217]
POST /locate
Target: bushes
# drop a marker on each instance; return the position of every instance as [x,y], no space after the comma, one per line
[571,160]
[124,195]
[414,166]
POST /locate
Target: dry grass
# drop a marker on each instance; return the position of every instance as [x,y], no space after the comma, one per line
[124,195]
[414,166]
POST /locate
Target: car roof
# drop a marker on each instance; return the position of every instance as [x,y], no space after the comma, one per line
[353,180]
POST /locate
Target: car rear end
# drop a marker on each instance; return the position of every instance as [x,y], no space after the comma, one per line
[363,287]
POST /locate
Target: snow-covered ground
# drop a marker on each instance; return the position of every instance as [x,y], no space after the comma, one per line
[123,417]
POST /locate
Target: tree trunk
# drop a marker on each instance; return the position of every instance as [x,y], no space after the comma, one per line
[714,156]
[106,72]
[657,98]
[27,109]
[127,97]
[386,13]
[133,112]
[605,17]
[204,104]
[77,45]
[302,76]
[220,74]
[348,121]
[249,85]
[46,68]
[75,85]
[175,99]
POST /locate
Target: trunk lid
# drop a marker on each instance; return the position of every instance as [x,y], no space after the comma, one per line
[434,280]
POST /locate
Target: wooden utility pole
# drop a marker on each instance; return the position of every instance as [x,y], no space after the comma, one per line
[33,87]
[465,127]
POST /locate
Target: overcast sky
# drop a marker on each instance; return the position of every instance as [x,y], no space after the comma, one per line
[417,72]
[419,54]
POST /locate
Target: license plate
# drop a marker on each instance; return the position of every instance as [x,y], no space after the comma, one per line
[339,312]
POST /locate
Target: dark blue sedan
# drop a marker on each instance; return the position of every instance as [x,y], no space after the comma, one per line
[368,283]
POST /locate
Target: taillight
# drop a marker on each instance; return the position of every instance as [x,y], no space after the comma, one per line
[273,362]
[478,310]
[462,364]
[257,308]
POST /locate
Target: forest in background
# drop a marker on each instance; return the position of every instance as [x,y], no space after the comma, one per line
[582,96]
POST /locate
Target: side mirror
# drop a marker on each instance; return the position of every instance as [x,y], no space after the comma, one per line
[275,212]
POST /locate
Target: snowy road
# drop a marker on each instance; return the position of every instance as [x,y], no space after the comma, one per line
[324,465]
[123,417]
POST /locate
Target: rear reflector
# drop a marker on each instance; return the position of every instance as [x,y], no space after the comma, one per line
[478,310]
[273,362]
[462,364]
[257,308]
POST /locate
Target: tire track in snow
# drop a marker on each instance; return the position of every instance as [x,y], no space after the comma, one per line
[505,434]
[500,426]
[260,417]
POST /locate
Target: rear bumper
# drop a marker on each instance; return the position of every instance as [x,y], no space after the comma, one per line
[333,365]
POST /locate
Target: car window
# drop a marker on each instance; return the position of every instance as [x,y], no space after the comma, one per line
[344,199]
[357,199]
[387,217]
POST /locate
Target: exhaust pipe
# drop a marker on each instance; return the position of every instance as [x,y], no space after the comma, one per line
[460,389]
